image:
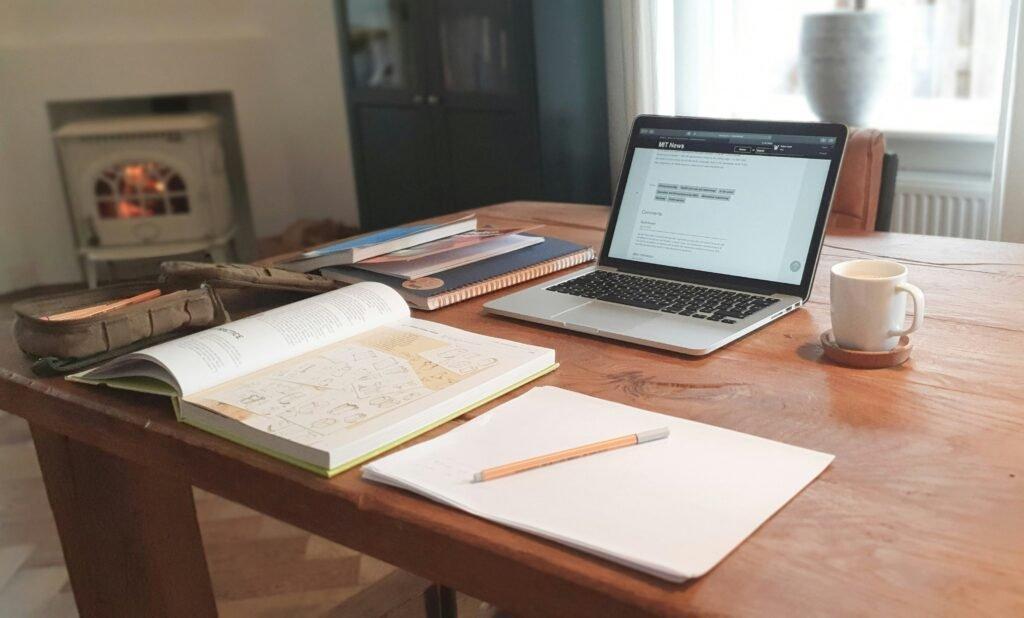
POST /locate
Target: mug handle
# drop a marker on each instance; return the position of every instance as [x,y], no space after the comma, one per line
[918,296]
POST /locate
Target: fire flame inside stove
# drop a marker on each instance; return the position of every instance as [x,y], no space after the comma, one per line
[127,210]
[140,189]
[134,175]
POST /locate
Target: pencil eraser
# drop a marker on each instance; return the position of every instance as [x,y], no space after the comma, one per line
[478,477]
[653,434]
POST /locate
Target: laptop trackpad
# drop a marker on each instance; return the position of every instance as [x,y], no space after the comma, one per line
[607,317]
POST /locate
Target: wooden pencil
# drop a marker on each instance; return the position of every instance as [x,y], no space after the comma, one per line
[571,453]
[88,312]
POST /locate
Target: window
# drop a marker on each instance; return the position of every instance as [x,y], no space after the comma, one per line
[740,58]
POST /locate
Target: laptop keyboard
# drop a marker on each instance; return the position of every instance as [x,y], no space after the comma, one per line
[668,296]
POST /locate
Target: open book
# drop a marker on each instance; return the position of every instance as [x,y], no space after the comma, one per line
[330,381]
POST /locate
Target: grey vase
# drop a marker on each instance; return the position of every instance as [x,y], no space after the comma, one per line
[845,58]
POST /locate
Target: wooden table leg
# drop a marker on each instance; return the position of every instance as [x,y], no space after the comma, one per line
[129,533]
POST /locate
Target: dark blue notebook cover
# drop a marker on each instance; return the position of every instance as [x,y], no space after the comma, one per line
[462,276]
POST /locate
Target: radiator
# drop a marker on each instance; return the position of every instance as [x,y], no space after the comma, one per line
[942,205]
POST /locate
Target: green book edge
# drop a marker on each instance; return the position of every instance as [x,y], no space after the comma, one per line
[387,447]
[142,384]
[138,384]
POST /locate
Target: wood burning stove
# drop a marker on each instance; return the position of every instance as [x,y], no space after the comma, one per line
[146,186]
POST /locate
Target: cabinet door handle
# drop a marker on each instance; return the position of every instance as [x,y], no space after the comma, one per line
[417,98]
[433,99]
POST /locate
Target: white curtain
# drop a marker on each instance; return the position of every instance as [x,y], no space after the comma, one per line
[1007,221]
[629,56]
[668,57]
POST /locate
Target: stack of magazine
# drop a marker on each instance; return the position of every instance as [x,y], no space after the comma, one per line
[436,264]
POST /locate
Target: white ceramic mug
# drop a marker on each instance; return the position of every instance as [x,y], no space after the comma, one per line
[869,304]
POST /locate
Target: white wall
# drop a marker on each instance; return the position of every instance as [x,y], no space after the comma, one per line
[280,60]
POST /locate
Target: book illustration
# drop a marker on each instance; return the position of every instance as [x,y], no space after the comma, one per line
[459,360]
[346,385]
[328,380]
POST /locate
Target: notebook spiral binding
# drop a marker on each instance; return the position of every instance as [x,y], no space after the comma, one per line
[509,279]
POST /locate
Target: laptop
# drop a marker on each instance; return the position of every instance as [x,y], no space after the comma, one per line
[715,231]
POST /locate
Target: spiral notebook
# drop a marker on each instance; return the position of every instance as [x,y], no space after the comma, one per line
[464,282]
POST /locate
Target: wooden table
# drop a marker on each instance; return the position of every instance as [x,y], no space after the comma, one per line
[921,513]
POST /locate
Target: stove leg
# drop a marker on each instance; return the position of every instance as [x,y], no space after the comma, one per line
[220,254]
[89,269]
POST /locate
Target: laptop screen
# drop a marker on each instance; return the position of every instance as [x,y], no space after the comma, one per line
[739,204]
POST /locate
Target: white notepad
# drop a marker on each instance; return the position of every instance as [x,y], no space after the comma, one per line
[673,508]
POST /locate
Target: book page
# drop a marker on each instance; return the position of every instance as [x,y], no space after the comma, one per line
[201,360]
[348,390]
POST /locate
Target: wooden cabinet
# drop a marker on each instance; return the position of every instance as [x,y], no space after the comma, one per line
[442,105]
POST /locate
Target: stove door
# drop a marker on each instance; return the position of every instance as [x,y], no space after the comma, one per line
[142,196]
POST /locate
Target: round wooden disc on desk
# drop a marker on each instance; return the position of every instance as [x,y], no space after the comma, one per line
[866,360]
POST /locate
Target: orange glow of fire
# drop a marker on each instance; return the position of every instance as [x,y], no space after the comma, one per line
[127,210]
[134,174]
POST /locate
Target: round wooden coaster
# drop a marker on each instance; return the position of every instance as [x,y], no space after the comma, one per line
[866,360]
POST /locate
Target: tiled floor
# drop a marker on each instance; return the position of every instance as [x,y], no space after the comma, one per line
[259,565]
[32,575]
